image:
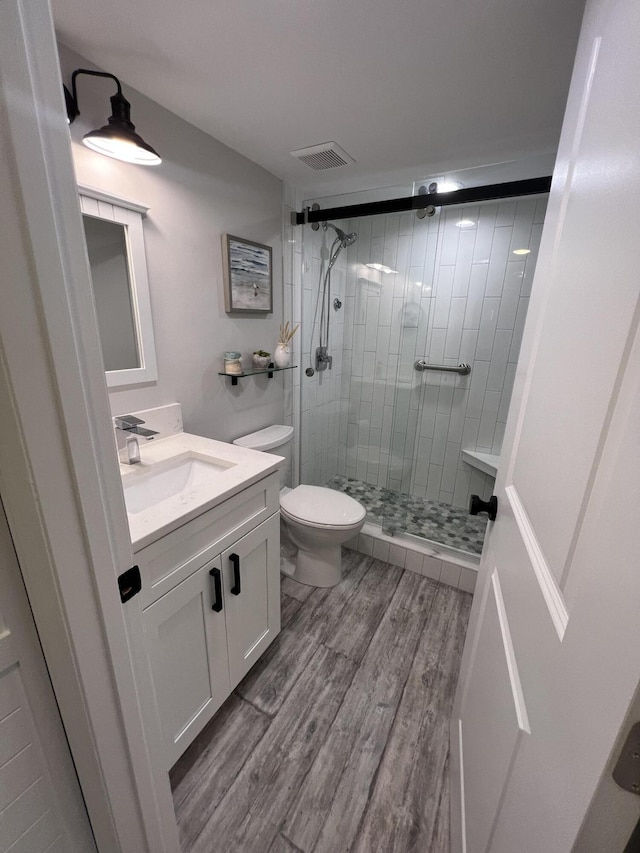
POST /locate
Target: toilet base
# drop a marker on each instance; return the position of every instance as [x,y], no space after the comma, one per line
[287,565]
[321,568]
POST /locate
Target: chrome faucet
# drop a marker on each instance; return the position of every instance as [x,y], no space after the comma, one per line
[128,430]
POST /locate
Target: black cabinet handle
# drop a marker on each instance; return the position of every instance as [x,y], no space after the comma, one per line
[217,590]
[476,505]
[235,562]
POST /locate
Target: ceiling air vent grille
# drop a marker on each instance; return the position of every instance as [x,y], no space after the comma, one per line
[328,155]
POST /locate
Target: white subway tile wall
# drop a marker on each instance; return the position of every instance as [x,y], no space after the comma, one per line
[456,293]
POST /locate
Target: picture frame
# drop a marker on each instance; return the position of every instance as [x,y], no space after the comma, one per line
[248,276]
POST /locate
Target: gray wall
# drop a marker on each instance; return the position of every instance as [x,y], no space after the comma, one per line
[202,190]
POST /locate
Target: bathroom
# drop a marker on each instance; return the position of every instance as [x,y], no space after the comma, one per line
[331,730]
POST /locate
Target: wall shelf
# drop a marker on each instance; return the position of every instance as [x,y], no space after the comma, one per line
[254,371]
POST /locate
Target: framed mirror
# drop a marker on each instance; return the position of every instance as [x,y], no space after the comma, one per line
[115,246]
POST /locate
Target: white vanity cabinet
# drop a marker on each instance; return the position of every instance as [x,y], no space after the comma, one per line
[251,589]
[187,646]
[210,607]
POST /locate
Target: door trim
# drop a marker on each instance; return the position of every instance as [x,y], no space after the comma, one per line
[58,475]
[548,586]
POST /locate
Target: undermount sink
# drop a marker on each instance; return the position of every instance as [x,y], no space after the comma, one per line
[182,476]
[144,489]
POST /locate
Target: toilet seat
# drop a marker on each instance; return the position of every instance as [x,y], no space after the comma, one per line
[317,506]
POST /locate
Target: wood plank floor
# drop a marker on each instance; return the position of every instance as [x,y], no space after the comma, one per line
[337,740]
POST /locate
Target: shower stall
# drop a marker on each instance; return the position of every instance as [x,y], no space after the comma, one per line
[411,329]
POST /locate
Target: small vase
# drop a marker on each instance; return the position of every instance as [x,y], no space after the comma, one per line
[282,355]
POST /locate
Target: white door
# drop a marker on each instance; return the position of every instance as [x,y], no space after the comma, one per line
[251,571]
[41,807]
[552,658]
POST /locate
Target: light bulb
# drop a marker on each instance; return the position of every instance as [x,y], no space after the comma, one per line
[122,149]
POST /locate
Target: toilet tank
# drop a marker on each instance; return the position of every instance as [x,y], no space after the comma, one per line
[275,439]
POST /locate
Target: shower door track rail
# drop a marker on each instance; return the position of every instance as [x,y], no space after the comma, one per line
[461,369]
[470,195]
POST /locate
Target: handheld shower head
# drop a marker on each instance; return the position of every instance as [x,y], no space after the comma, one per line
[345,239]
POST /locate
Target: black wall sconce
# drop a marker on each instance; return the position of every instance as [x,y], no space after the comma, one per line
[118,138]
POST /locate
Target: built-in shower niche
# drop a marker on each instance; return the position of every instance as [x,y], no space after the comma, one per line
[448,289]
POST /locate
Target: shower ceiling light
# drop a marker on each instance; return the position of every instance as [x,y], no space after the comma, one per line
[118,138]
[449,186]
[380,268]
[465,223]
[521,251]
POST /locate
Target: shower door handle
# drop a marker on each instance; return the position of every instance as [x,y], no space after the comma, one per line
[477,505]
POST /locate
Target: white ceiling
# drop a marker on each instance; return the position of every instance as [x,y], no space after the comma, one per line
[399,84]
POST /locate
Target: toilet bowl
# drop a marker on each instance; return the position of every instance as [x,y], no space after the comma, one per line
[317,520]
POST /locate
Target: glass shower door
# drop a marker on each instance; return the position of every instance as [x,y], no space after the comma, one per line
[447,289]
[466,293]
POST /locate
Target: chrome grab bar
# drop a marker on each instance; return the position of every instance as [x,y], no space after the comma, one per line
[462,369]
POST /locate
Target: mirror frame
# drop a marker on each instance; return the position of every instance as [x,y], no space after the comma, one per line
[102,205]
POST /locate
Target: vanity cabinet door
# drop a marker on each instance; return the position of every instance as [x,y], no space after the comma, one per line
[251,571]
[187,648]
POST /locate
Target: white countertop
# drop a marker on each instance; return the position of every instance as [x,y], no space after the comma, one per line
[246,467]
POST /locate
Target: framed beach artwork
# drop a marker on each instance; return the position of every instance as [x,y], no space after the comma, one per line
[248,277]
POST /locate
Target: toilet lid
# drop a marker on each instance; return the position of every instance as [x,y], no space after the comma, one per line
[319,505]
[267,438]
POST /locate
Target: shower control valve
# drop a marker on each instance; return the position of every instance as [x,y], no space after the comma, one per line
[323,359]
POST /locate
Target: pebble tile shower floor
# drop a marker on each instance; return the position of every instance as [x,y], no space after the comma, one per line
[433,520]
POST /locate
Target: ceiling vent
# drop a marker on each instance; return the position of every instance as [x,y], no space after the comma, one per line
[327,155]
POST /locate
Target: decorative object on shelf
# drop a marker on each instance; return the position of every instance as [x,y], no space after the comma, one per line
[282,355]
[232,362]
[248,277]
[260,359]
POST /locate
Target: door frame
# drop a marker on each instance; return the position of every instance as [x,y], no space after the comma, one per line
[59,477]
[22,661]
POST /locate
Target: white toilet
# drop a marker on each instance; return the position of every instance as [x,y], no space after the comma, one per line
[318,521]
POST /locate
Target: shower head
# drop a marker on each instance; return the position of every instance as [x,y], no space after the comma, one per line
[345,239]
